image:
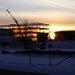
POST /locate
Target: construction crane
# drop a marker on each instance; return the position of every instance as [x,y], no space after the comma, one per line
[15,22]
[23,39]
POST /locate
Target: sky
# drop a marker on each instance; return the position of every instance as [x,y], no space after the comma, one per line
[59,14]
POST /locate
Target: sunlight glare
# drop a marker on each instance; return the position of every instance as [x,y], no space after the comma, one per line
[56,28]
[52,36]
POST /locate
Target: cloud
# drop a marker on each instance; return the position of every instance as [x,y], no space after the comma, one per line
[60,4]
[40,10]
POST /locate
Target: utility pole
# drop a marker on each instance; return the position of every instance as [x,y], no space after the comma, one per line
[49,49]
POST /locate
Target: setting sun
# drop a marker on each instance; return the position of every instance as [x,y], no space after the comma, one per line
[52,35]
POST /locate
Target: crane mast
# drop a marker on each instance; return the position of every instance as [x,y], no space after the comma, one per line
[23,39]
[15,22]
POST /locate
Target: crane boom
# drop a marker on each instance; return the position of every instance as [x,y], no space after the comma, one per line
[15,22]
[24,40]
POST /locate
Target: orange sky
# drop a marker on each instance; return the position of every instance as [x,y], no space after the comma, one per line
[60,14]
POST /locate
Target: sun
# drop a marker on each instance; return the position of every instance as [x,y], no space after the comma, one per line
[52,35]
[54,29]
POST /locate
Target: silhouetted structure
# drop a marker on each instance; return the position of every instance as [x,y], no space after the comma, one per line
[65,35]
[42,37]
[32,31]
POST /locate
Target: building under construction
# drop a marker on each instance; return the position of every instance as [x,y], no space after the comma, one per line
[32,31]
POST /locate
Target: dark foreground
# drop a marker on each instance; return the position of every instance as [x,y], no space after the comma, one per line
[6,72]
[42,52]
